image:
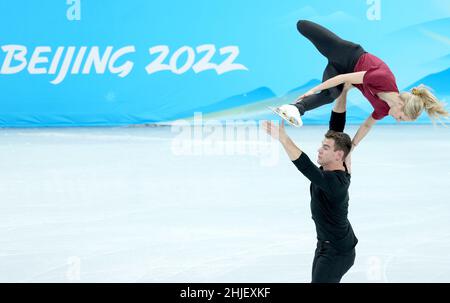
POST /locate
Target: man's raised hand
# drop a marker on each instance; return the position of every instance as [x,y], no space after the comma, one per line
[276,131]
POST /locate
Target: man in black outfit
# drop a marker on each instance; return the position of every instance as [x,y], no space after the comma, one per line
[335,252]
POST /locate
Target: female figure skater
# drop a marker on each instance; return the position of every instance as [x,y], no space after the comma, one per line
[350,63]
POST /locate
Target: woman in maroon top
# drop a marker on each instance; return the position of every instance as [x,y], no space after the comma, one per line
[350,63]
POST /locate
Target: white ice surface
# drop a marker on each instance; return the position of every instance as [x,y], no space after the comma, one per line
[118,205]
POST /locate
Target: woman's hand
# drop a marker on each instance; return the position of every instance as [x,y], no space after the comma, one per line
[307,94]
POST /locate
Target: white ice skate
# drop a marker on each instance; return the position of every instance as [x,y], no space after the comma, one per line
[289,113]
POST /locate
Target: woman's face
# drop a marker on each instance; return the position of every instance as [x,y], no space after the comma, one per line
[398,114]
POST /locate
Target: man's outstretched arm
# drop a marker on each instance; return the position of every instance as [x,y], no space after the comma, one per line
[298,158]
[338,118]
[338,114]
[279,133]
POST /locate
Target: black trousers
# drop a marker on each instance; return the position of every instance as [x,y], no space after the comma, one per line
[342,57]
[330,265]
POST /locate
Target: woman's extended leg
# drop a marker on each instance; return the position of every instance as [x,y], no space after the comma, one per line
[342,56]
[341,53]
[325,96]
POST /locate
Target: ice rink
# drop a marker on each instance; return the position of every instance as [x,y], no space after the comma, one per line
[143,204]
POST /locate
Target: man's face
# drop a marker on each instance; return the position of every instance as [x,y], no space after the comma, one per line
[327,154]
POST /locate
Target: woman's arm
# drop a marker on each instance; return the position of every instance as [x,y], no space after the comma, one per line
[352,78]
[363,130]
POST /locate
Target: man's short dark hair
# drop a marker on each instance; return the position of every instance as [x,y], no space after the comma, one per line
[342,141]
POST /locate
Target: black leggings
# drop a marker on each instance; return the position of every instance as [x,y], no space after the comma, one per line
[342,56]
[330,265]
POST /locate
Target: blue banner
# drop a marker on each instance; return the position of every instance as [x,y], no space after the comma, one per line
[92,63]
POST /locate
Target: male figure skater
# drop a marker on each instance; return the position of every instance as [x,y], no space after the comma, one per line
[335,252]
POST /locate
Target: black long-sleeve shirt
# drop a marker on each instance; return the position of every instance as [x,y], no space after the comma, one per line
[329,203]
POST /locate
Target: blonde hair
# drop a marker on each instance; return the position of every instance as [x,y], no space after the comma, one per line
[419,99]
